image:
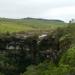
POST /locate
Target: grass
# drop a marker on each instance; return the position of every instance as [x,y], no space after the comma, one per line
[18,25]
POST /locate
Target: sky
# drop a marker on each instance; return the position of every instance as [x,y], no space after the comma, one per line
[47,9]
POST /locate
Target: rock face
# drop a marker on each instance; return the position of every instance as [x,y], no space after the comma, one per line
[42,46]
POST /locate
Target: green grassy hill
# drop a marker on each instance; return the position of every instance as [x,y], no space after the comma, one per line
[28,24]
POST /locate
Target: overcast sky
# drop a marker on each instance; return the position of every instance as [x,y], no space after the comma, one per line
[51,9]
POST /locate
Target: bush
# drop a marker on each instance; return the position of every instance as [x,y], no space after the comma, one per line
[50,69]
[1,73]
[69,57]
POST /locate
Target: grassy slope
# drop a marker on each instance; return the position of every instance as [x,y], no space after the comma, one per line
[71,30]
[28,24]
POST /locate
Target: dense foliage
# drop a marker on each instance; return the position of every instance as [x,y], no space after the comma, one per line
[66,65]
[22,54]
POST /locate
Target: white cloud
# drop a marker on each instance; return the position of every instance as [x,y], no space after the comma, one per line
[65,13]
[57,9]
